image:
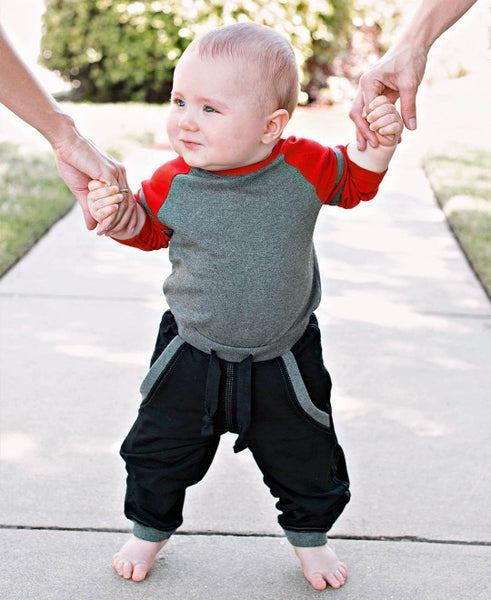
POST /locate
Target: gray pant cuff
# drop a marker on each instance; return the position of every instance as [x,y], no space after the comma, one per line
[150,534]
[306,539]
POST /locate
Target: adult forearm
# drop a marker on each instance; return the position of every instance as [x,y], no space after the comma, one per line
[21,93]
[77,158]
[431,19]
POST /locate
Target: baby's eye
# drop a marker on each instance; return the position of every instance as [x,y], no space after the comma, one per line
[178,101]
[208,109]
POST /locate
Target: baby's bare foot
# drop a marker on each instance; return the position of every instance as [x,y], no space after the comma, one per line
[321,566]
[136,558]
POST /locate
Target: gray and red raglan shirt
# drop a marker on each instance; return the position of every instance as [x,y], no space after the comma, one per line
[244,277]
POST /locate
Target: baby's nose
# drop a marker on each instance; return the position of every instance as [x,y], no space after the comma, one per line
[187,121]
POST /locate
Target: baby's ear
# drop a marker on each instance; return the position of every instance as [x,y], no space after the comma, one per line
[275,123]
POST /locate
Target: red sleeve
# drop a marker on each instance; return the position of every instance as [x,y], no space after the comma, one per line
[151,237]
[152,195]
[338,181]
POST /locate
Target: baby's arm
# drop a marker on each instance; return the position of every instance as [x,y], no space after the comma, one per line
[103,201]
[387,125]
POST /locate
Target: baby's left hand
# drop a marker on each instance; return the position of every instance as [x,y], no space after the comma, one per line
[104,201]
[385,121]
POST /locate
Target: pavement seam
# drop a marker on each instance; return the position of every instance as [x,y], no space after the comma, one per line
[350,538]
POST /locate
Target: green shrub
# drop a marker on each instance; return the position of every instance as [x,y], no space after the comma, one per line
[120,50]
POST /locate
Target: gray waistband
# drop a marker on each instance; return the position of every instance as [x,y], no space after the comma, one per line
[239,353]
[288,359]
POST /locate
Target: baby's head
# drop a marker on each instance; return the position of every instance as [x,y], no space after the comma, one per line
[233,93]
[265,57]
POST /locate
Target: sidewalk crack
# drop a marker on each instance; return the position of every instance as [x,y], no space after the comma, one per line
[349,538]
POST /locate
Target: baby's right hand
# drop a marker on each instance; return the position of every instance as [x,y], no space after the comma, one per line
[102,200]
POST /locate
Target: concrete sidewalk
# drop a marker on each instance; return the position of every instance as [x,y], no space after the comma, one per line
[406,330]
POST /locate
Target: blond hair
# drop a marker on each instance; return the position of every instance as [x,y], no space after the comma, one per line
[266,51]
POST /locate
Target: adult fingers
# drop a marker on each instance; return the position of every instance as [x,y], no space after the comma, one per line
[408,107]
[357,115]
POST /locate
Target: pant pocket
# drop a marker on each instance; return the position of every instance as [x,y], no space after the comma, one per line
[167,332]
[161,367]
[301,393]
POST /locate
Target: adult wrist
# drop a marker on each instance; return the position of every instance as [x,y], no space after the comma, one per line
[60,130]
[411,43]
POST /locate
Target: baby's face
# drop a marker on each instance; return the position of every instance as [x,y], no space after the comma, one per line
[216,121]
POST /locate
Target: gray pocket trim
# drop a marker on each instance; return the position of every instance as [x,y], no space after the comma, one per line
[301,392]
[160,364]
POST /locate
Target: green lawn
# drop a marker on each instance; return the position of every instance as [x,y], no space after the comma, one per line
[32,199]
[461,180]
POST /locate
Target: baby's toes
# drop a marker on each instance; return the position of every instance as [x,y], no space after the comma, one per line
[122,566]
[317,581]
[140,571]
[343,570]
[338,577]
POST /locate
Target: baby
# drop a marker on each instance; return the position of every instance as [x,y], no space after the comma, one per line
[239,350]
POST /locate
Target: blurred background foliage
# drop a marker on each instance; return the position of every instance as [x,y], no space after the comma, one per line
[126,50]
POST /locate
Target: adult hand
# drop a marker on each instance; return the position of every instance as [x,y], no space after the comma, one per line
[80,162]
[398,74]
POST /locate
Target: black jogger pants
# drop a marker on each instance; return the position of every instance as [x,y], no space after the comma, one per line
[281,410]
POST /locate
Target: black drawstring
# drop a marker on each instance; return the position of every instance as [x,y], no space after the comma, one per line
[244,374]
[211,394]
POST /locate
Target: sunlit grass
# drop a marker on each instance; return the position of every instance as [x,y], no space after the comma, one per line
[32,198]
[461,180]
